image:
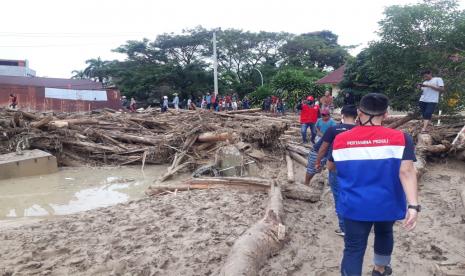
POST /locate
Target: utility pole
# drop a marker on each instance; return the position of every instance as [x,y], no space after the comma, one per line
[215,65]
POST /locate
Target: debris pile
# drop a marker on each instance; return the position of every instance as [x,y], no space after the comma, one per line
[107,138]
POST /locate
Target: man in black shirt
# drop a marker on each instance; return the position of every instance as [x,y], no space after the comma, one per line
[349,114]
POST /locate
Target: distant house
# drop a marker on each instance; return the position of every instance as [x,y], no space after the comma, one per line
[12,67]
[58,95]
[333,79]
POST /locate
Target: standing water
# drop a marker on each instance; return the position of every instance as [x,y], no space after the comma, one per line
[73,190]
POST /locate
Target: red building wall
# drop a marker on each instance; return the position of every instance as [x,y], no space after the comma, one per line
[32,98]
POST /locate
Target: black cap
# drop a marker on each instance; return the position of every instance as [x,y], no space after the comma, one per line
[349,110]
[375,104]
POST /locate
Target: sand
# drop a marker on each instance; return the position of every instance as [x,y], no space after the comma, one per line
[192,232]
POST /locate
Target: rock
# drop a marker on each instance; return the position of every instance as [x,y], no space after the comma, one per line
[229,160]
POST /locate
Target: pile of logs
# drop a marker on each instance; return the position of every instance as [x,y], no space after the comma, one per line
[108,138]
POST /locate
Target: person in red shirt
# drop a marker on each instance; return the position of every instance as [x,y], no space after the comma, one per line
[13,101]
[274,103]
[308,116]
[228,102]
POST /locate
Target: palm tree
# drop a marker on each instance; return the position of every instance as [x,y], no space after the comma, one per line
[78,74]
[96,69]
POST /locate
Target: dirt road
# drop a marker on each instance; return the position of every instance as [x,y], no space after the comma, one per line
[191,233]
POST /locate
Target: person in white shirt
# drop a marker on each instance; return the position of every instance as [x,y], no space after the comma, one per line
[431,88]
[176,101]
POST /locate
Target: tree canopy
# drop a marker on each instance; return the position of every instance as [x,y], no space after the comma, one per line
[182,63]
[413,38]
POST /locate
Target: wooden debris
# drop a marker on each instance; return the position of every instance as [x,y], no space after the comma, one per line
[213,137]
[302,192]
[401,121]
[462,196]
[42,122]
[252,110]
[290,169]
[251,250]
[298,158]
[298,149]
[424,141]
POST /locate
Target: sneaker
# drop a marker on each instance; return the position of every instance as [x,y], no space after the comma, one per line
[387,271]
[339,233]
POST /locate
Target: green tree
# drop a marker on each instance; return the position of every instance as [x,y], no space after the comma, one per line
[413,38]
[97,69]
[293,85]
[182,62]
[314,50]
[186,48]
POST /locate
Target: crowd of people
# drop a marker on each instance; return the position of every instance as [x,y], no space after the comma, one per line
[208,102]
[274,105]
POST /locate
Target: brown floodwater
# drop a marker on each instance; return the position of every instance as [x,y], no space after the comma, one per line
[73,190]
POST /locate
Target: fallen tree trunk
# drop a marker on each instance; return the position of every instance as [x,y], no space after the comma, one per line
[230,180]
[290,169]
[25,114]
[401,121]
[213,137]
[90,147]
[253,118]
[302,192]
[83,121]
[252,110]
[423,141]
[296,192]
[462,196]
[44,121]
[435,148]
[298,149]
[301,160]
[207,183]
[133,138]
[259,242]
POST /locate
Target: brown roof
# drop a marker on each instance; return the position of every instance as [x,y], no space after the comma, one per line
[51,82]
[334,77]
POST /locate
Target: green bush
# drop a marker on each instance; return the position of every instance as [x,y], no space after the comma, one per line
[260,94]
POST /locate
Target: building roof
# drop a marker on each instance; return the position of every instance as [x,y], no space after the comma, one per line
[51,82]
[334,77]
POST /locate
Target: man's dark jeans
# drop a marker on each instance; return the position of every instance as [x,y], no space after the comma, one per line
[303,131]
[355,241]
[332,179]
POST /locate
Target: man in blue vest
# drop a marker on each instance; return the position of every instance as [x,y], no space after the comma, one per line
[378,185]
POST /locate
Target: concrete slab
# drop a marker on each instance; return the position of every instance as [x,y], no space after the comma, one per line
[31,162]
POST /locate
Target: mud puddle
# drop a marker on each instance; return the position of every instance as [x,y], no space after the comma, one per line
[73,190]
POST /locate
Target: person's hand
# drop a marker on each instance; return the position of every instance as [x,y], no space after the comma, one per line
[410,219]
[317,165]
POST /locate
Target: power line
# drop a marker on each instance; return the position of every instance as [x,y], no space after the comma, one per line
[54,45]
[73,35]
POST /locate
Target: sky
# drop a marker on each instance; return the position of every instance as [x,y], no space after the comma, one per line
[58,36]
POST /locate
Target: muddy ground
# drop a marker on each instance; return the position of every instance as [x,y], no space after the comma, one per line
[313,248]
[191,233]
[186,234]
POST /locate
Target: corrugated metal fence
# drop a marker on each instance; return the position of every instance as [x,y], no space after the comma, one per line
[32,98]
